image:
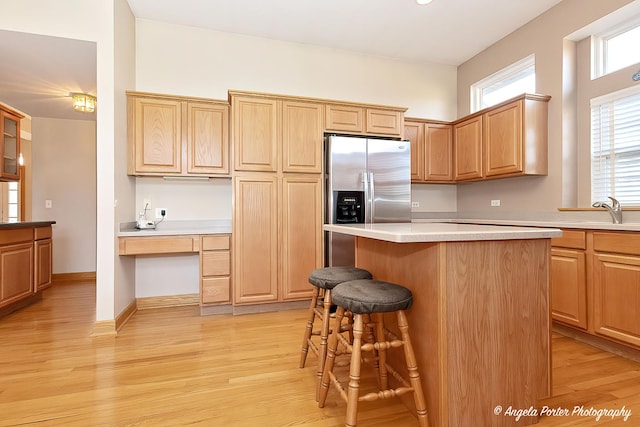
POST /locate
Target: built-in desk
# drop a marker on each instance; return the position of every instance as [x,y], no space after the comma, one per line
[479,322]
[211,240]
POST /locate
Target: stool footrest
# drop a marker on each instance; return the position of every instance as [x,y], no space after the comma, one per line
[385,394]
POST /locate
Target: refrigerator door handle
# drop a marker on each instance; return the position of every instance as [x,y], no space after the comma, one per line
[367,196]
[372,195]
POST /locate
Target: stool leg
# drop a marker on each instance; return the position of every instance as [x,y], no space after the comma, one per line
[412,367]
[383,376]
[324,335]
[354,372]
[309,329]
[331,357]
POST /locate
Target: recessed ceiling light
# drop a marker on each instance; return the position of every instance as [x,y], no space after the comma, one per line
[423,1]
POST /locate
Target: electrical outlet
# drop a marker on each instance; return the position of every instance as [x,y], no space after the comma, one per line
[48,204]
[159,213]
[415,204]
[495,203]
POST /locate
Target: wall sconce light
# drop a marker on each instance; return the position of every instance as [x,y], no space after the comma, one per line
[84,102]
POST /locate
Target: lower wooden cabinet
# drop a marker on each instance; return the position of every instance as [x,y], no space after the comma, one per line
[277,236]
[616,287]
[569,287]
[595,283]
[16,272]
[215,270]
[43,264]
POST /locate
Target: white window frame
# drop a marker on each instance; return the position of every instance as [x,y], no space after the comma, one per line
[597,102]
[599,43]
[503,75]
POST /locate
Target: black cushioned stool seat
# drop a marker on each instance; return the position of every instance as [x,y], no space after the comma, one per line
[324,280]
[330,277]
[371,296]
[371,299]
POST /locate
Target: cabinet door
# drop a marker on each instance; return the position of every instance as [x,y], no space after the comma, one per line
[301,233]
[616,299]
[302,133]
[16,272]
[255,239]
[255,134]
[43,259]
[503,140]
[383,122]
[344,118]
[10,146]
[569,287]
[467,140]
[157,136]
[207,138]
[438,153]
[414,132]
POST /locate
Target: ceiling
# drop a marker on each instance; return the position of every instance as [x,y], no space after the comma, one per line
[45,70]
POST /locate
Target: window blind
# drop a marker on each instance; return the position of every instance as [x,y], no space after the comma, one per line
[615,147]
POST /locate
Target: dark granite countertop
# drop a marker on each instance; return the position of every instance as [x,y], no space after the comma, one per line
[24,224]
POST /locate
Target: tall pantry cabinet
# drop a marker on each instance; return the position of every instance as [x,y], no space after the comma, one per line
[277,184]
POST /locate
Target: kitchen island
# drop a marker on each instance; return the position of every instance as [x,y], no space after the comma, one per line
[480,321]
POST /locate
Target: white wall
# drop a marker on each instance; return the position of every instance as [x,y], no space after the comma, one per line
[545,37]
[91,21]
[181,60]
[64,171]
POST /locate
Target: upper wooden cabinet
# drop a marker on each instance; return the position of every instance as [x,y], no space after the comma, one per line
[507,140]
[9,144]
[275,133]
[467,139]
[255,133]
[177,136]
[431,150]
[387,121]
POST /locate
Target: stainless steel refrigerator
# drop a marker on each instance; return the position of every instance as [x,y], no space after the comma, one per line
[368,180]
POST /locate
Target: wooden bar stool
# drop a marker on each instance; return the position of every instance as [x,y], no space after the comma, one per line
[324,280]
[372,297]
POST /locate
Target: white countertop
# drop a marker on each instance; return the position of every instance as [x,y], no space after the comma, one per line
[589,225]
[174,228]
[412,232]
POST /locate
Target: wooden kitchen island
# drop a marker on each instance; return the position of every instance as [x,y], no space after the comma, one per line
[479,323]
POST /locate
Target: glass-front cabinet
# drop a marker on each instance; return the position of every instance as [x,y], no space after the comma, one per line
[9,145]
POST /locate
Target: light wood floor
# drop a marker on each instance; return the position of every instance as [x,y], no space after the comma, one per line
[172,367]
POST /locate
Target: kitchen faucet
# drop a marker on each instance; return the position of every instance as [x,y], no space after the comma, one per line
[614,209]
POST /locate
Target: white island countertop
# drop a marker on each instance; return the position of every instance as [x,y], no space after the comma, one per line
[441,232]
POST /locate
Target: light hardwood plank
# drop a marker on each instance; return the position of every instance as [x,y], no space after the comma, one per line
[171,367]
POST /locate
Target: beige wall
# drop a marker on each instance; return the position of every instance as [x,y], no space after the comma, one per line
[545,37]
[64,171]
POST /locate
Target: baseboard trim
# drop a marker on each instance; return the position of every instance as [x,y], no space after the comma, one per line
[167,301]
[104,328]
[126,314]
[598,342]
[74,277]
[266,308]
[207,310]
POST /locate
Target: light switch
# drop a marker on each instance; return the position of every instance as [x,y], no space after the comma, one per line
[48,204]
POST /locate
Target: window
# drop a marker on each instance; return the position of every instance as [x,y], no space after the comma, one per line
[615,147]
[511,81]
[616,49]
[13,201]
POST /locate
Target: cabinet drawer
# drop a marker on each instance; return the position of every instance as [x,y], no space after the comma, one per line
[42,233]
[574,239]
[384,122]
[215,243]
[216,263]
[16,235]
[215,289]
[623,243]
[156,245]
[344,118]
